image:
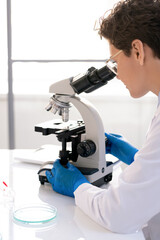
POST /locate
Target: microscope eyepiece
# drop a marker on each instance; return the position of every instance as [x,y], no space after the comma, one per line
[92,80]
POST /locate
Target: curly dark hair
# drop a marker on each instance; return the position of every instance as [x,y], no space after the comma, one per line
[133,19]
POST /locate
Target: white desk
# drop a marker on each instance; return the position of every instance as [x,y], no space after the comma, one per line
[71,223]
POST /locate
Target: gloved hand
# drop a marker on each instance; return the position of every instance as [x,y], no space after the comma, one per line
[65,180]
[119,148]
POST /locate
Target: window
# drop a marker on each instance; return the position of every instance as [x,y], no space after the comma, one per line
[53,40]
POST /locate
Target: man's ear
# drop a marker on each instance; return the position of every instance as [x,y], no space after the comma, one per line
[138,51]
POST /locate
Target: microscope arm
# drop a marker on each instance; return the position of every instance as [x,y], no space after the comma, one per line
[62,87]
[92,121]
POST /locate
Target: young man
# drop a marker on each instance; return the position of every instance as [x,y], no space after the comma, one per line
[132,30]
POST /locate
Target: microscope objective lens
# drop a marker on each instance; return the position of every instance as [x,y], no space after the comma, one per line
[65,114]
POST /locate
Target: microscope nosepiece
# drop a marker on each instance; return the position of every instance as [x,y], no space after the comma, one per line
[56,104]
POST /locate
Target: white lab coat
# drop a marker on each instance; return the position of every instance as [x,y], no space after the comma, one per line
[127,207]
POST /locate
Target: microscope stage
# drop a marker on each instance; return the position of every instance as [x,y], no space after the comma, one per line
[57,126]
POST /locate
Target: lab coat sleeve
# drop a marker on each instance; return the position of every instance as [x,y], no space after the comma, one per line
[126,207]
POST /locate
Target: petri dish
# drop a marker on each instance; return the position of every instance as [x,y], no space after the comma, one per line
[35,214]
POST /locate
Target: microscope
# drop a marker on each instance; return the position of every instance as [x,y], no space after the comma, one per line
[87,136]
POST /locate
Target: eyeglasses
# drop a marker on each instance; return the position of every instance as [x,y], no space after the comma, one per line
[111,64]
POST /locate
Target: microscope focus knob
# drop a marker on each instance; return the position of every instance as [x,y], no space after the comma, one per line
[86,148]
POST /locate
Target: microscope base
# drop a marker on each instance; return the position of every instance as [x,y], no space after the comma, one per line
[86,171]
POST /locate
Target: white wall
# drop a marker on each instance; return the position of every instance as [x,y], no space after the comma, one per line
[123,115]
[3,122]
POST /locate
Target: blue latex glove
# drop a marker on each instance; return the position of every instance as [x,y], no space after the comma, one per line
[65,180]
[119,148]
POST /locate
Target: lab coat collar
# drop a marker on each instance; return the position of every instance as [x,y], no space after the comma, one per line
[159,99]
